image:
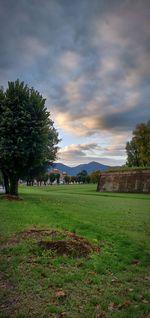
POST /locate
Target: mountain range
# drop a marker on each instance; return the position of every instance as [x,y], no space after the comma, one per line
[72,171]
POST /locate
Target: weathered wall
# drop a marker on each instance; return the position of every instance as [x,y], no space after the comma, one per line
[126,181]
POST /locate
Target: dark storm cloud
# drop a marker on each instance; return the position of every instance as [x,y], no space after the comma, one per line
[91,59]
[123,121]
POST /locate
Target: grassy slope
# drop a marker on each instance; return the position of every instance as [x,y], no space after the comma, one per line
[112,284]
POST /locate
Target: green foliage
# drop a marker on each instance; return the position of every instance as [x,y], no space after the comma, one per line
[88,179]
[52,177]
[138,149]
[126,168]
[95,176]
[42,178]
[73,179]
[82,176]
[1,179]
[28,138]
[58,178]
[38,173]
[67,179]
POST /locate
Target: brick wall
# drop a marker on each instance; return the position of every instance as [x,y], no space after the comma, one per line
[126,181]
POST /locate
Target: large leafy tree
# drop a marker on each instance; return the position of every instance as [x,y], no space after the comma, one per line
[38,173]
[28,138]
[138,149]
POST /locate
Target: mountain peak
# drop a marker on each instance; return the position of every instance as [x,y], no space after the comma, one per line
[72,171]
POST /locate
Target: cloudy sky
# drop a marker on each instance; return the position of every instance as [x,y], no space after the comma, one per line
[91,60]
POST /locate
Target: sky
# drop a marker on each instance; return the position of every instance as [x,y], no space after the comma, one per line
[90,59]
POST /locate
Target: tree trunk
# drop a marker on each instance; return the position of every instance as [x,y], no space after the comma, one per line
[13,185]
[6,183]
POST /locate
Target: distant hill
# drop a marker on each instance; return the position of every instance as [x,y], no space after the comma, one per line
[72,171]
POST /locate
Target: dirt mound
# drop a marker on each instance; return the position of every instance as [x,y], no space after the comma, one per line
[36,233]
[62,242]
[10,197]
[33,234]
[77,246]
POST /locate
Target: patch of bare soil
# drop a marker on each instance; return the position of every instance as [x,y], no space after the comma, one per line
[33,234]
[61,242]
[10,197]
[37,233]
[73,245]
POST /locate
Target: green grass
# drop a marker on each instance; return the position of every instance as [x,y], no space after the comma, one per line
[114,283]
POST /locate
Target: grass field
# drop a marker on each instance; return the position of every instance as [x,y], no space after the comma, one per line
[112,283]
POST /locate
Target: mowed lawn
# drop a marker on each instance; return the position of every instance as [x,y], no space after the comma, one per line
[112,283]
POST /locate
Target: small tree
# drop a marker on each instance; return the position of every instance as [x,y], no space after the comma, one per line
[81,176]
[58,178]
[52,177]
[88,179]
[67,179]
[28,138]
[95,176]
[73,179]
[138,149]
[45,178]
[132,150]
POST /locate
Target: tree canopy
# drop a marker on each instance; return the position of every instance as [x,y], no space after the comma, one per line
[28,138]
[95,176]
[138,149]
[82,176]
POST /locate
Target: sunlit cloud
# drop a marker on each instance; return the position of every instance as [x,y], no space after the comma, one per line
[80,153]
[90,59]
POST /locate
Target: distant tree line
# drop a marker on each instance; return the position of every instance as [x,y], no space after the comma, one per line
[44,178]
[83,177]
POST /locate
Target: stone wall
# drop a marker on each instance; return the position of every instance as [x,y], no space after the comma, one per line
[126,181]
